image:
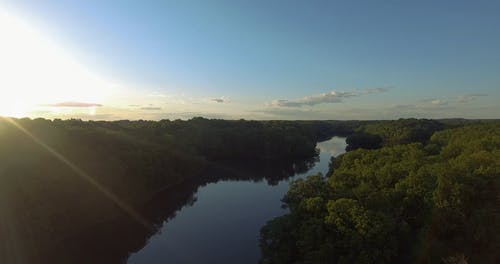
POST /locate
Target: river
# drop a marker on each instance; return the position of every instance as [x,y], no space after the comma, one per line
[221,224]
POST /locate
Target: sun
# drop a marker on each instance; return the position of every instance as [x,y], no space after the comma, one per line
[35,72]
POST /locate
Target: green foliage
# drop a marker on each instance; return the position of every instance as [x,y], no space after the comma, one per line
[363,140]
[394,132]
[45,201]
[404,131]
[404,203]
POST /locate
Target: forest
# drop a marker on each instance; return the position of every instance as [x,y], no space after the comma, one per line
[60,178]
[410,191]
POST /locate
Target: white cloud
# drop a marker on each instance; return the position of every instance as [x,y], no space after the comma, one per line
[157,94]
[325,98]
[74,104]
[469,97]
[222,99]
[438,102]
[151,108]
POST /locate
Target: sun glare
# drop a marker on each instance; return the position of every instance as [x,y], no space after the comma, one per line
[35,72]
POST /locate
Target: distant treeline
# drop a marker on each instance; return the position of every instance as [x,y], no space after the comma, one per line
[60,177]
[416,193]
[376,134]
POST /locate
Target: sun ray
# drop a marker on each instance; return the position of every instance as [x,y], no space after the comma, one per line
[107,193]
[35,71]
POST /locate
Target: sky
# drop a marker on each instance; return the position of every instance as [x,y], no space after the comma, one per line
[109,60]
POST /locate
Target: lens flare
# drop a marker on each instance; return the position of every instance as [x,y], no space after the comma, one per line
[35,71]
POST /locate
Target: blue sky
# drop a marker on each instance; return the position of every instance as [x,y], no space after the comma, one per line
[277,59]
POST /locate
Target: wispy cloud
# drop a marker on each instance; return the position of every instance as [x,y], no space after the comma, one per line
[220,99]
[330,97]
[151,108]
[74,104]
[375,90]
[438,102]
[325,98]
[434,101]
[288,113]
[469,97]
[157,94]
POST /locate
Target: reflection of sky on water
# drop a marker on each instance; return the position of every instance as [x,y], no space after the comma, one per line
[333,147]
[223,225]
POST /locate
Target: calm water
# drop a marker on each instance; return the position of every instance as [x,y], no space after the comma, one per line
[222,224]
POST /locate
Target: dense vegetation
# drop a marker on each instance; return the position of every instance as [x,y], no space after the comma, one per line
[59,178]
[432,201]
[64,185]
[363,140]
[224,139]
[404,131]
[374,135]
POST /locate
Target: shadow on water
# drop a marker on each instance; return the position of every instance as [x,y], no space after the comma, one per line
[113,241]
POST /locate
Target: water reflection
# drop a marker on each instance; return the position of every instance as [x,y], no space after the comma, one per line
[214,218]
[333,147]
[257,171]
[223,225]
